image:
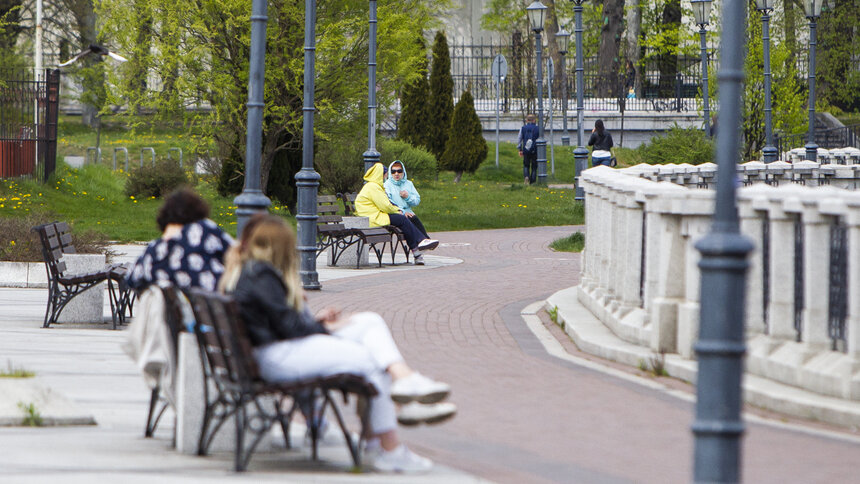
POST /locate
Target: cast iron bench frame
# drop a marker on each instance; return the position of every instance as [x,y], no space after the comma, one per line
[332,234]
[395,235]
[233,373]
[56,241]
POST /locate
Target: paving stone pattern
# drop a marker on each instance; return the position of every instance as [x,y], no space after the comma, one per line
[527,417]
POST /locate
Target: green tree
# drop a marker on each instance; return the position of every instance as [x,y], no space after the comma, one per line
[200,52]
[414,124]
[787,97]
[838,68]
[441,102]
[466,148]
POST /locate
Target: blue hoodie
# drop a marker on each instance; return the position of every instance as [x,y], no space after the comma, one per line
[393,188]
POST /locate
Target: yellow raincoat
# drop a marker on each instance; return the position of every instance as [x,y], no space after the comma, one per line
[372,201]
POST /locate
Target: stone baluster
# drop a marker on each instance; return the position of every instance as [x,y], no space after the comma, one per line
[751,225]
[852,323]
[816,256]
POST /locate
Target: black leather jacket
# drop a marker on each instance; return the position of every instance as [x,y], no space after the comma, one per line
[262,299]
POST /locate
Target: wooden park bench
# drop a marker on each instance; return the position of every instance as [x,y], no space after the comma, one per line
[334,236]
[63,286]
[255,404]
[395,235]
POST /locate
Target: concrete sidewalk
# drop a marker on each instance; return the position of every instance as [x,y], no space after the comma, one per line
[84,364]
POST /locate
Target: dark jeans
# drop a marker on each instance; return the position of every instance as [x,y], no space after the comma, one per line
[600,161]
[530,166]
[412,234]
[418,225]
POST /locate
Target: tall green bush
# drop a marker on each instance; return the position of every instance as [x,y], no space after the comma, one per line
[414,123]
[679,145]
[420,163]
[466,147]
[441,102]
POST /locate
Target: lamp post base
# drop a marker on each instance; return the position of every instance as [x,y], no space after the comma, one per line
[541,161]
[769,154]
[811,151]
[580,163]
[565,140]
[370,156]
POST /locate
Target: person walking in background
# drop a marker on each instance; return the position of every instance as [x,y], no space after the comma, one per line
[602,142]
[630,81]
[527,145]
[402,193]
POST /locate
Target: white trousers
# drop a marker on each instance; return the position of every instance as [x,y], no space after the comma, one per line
[363,347]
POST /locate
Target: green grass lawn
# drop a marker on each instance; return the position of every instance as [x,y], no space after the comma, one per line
[93,197]
[74,138]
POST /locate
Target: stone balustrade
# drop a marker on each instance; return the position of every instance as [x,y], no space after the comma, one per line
[641,277]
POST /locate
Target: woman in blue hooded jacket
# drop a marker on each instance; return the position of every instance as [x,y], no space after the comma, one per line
[402,193]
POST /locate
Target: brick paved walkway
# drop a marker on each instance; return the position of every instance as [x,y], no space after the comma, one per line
[527,417]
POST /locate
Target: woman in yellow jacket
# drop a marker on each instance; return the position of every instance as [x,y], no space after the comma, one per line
[372,202]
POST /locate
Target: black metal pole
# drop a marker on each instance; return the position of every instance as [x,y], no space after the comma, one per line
[308,180]
[252,200]
[720,348]
[541,142]
[580,153]
[705,94]
[769,152]
[565,137]
[811,147]
[371,156]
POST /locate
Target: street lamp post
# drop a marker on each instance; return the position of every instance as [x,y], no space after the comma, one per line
[813,11]
[769,151]
[537,13]
[371,156]
[702,12]
[580,153]
[307,180]
[562,38]
[252,200]
[720,348]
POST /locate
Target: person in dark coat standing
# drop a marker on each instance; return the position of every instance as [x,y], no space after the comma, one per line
[527,144]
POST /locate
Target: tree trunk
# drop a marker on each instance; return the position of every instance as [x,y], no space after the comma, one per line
[457,176]
[633,52]
[93,82]
[668,61]
[610,46]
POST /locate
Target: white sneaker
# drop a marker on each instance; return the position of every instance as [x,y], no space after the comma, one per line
[419,260]
[428,244]
[400,459]
[418,387]
[415,413]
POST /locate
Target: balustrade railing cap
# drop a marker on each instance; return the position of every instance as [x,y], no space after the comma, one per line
[805,165]
[667,169]
[756,190]
[833,206]
[707,167]
[753,165]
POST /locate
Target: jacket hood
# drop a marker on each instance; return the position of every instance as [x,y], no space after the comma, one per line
[391,179]
[374,174]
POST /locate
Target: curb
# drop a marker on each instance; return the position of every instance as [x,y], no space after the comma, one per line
[592,337]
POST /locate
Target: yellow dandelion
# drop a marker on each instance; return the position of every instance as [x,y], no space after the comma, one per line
[11,242]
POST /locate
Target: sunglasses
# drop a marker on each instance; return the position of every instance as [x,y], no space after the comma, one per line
[396,171]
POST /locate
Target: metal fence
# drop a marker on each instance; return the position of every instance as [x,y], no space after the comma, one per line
[825,138]
[28,123]
[672,88]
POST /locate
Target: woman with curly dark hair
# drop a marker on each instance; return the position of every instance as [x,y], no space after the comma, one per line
[190,251]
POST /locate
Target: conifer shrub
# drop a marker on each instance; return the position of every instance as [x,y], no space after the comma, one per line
[441,101]
[413,125]
[420,163]
[466,147]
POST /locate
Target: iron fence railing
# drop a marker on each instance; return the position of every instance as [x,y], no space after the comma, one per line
[28,122]
[660,84]
[842,137]
[838,285]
